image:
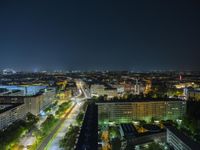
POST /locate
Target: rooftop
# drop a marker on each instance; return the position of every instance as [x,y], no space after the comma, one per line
[26,89]
[151,127]
[88,138]
[185,139]
[6,107]
[141,100]
[128,129]
[33,95]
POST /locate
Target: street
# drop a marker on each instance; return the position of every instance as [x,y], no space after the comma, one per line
[50,136]
[51,142]
[70,119]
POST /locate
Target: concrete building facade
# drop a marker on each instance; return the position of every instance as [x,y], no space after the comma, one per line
[180,141]
[33,104]
[101,90]
[9,113]
[127,111]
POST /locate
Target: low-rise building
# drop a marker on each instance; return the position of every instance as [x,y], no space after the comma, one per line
[64,94]
[101,90]
[134,88]
[192,93]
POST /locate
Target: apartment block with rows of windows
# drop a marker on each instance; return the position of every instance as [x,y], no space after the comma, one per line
[127,111]
[9,113]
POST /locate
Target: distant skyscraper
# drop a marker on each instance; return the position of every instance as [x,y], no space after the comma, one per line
[180,77]
[137,87]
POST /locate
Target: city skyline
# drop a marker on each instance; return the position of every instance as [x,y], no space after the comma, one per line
[99,110]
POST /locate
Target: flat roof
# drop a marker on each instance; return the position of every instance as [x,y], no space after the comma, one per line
[185,139]
[142,100]
[151,127]
[129,129]
[23,96]
[35,95]
[88,137]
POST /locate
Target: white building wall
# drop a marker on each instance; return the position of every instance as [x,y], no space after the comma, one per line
[12,115]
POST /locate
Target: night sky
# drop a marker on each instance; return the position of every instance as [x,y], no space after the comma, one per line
[89,35]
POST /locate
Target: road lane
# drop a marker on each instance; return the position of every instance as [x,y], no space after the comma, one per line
[54,143]
[50,136]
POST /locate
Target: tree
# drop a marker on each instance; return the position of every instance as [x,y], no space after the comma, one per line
[116,144]
[142,122]
[70,138]
[79,118]
[154,146]
[48,124]
[31,118]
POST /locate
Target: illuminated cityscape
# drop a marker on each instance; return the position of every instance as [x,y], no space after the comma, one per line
[99,75]
[99,110]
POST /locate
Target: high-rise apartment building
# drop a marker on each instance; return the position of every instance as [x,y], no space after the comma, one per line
[9,113]
[127,111]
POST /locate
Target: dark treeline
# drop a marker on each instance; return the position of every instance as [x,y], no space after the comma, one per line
[193,109]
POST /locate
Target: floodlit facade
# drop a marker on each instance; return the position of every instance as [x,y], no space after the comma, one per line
[33,104]
[64,95]
[101,90]
[9,113]
[128,111]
